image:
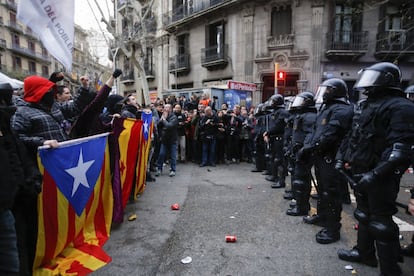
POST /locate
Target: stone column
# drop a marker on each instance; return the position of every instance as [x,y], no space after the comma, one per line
[248,18]
[317,39]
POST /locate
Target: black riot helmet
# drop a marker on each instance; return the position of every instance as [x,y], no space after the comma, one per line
[258,109]
[303,100]
[332,90]
[380,75]
[277,100]
[6,92]
[410,92]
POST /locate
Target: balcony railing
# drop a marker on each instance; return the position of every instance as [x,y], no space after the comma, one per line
[179,63]
[3,43]
[214,56]
[280,41]
[192,8]
[149,69]
[348,44]
[395,42]
[11,5]
[128,76]
[15,26]
[29,53]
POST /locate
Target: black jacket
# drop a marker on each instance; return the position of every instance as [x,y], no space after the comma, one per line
[168,129]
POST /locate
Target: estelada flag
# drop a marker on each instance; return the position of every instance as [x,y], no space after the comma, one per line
[74,207]
[129,141]
[145,145]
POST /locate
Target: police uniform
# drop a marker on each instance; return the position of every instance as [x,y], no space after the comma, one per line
[381,151]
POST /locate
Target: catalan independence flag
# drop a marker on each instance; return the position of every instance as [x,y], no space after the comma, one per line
[74,207]
[145,145]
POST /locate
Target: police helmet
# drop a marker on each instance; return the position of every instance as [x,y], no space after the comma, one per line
[258,109]
[6,92]
[332,89]
[277,101]
[303,100]
[410,92]
[379,75]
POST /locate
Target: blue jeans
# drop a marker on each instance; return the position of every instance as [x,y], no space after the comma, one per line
[9,257]
[172,150]
[209,152]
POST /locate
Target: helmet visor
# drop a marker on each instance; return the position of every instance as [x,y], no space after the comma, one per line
[319,94]
[367,78]
[298,102]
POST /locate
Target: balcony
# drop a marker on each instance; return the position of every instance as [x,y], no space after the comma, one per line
[183,14]
[29,53]
[179,64]
[346,45]
[394,43]
[128,77]
[149,69]
[3,44]
[214,57]
[15,26]
[10,5]
[282,41]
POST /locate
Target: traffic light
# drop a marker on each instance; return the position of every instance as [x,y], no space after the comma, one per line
[280,76]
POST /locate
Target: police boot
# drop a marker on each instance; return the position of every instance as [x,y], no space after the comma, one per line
[408,250]
[302,206]
[279,183]
[288,195]
[388,255]
[319,218]
[364,251]
[331,233]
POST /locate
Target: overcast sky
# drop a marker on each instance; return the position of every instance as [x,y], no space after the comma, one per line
[85,18]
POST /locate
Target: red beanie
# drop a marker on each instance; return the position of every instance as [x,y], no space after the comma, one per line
[35,88]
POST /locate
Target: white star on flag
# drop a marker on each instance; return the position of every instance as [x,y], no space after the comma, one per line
[145,127]
[79,173]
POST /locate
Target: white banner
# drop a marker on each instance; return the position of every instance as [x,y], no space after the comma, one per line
[53,21]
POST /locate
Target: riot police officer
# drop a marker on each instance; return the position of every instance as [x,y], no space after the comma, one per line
[305,116]
[333,121]
[381,145]
[259,145]
[274,137]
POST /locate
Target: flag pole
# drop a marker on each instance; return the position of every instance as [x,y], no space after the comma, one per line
[75,141]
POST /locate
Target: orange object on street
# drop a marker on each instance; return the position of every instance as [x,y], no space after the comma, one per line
[231,238]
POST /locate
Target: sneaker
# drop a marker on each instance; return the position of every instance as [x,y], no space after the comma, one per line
[172,173]
[158,173]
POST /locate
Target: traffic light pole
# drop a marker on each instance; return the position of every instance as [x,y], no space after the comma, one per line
[276,71]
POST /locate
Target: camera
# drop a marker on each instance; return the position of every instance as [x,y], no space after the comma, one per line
[215,97]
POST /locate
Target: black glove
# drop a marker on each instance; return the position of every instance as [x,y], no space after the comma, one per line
[117,72]
[56,76]
[365,180]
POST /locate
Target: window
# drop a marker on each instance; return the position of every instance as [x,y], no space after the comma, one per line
[32,67]
[148,62]
[16,40]
[45,71]
[31,46]
[13,19]
[17,63]
[281,21]
[348,19]
[44,52]
[215,40]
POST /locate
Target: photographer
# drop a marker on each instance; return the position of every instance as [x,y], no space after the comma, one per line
[208,132]
[234,124]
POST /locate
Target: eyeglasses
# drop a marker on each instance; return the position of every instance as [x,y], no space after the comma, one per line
[84,79]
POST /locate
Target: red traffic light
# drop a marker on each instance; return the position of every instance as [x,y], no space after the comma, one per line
[280,75]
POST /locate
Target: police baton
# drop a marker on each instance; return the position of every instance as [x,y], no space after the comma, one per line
[354,184]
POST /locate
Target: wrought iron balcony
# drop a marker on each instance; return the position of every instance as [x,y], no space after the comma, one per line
[3,43]
[29,53]
[394,43]
[179,63]
[15,26]
[214,57]
[346,44]
[282,41]
[183,13]
[149,69]
[128,77]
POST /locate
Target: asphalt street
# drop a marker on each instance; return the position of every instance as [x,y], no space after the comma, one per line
[229,200]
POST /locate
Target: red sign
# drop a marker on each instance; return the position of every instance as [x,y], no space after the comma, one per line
[245,86]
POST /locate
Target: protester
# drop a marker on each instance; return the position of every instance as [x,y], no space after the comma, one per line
[208,132]
[182,126]
[63,94]
[130,108]
[167,127]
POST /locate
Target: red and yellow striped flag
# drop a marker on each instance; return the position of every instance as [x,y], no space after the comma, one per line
[74,207]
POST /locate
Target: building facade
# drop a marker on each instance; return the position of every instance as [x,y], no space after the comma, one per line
[207,43]
[23,54]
